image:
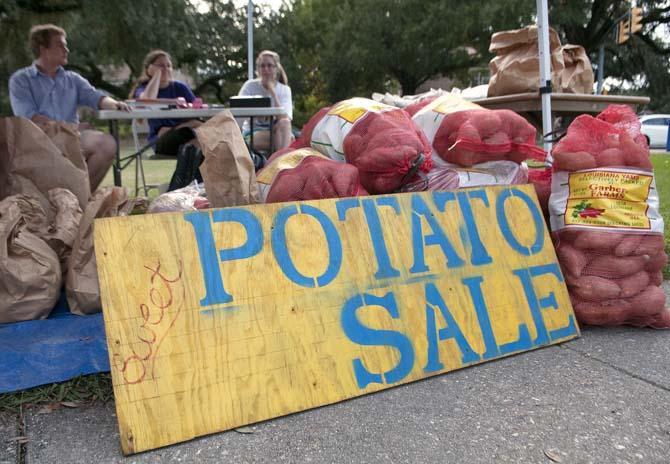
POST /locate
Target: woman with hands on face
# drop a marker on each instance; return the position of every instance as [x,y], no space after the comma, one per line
[271,82]
[157,82]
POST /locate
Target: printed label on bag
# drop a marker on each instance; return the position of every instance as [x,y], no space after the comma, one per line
[605,199]
[353,109]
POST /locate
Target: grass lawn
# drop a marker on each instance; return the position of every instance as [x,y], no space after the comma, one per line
[98,387]
[662,172]
[156,172]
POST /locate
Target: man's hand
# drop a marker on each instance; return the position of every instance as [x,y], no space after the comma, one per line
[107,103]
[40,120]
[122,106]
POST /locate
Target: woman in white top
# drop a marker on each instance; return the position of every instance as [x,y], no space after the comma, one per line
[271,82]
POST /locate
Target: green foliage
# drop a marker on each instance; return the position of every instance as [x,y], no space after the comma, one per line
[641,63]
[331,49]
[210,45]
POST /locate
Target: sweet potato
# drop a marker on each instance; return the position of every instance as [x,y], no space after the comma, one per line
[628,245]
[608,313]
[650,301]
[573,161]
[487,122]
[470,133]
[453,122]
[650,245]
[571,258]
[656,262]
[614,267]
[597,240]
[661,320]
[610,157]
[462,157]
[656,278]
[635,154]
[595,288]
[566,236]
[633,284]
[497,138]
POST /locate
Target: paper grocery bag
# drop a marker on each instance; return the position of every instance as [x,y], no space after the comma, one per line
[32,164]
[516,68]
[228,171]
[58,226]
[81,283]
[30,274]
[65,136]
[577,77]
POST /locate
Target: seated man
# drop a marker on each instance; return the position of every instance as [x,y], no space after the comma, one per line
[45,91]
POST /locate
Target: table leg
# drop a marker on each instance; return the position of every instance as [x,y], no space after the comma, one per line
[251,136]
[114,131]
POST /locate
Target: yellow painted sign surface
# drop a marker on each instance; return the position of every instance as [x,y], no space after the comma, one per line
[221,318]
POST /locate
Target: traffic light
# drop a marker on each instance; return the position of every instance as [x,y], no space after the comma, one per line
[623,33]
[635,20]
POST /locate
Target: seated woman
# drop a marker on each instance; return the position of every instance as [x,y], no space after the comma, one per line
[271,82]
[157,82]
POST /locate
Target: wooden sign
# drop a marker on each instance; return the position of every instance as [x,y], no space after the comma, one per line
[220,318]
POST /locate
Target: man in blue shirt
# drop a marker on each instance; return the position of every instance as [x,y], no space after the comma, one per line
[46,92]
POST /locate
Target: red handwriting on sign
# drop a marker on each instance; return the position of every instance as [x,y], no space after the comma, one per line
[161,303]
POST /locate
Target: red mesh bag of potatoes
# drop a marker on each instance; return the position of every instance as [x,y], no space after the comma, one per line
[476,136]
[541,180]
[306,174]
[606,224]
[381,141]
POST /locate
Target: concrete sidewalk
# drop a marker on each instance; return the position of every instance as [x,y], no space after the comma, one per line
[603,399]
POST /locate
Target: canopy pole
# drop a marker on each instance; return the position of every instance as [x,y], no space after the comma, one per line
[250,38]
[545,72]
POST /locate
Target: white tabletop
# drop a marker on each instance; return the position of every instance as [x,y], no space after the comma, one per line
[189,113]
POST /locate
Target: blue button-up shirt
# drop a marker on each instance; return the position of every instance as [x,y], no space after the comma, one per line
[33,92]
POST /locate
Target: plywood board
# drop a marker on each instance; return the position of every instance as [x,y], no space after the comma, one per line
[220,318]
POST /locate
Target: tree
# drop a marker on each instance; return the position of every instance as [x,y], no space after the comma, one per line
[101,33]
[641,63]
[338,49]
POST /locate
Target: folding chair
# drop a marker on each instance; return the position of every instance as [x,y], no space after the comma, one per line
[141,127]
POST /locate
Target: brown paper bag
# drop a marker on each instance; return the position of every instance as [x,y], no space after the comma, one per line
[58,226]
[516,68]
[65,136]
[81,283]
[577,77]
[32,164]
[30,275]
[64,226]
[228,171]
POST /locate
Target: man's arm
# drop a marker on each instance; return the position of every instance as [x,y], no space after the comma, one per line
[87,95]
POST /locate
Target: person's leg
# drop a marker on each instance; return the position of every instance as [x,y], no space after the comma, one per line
[261,140]
[170,139]
[99,150]
[282,134]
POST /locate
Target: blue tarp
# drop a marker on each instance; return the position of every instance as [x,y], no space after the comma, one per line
[59,348]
